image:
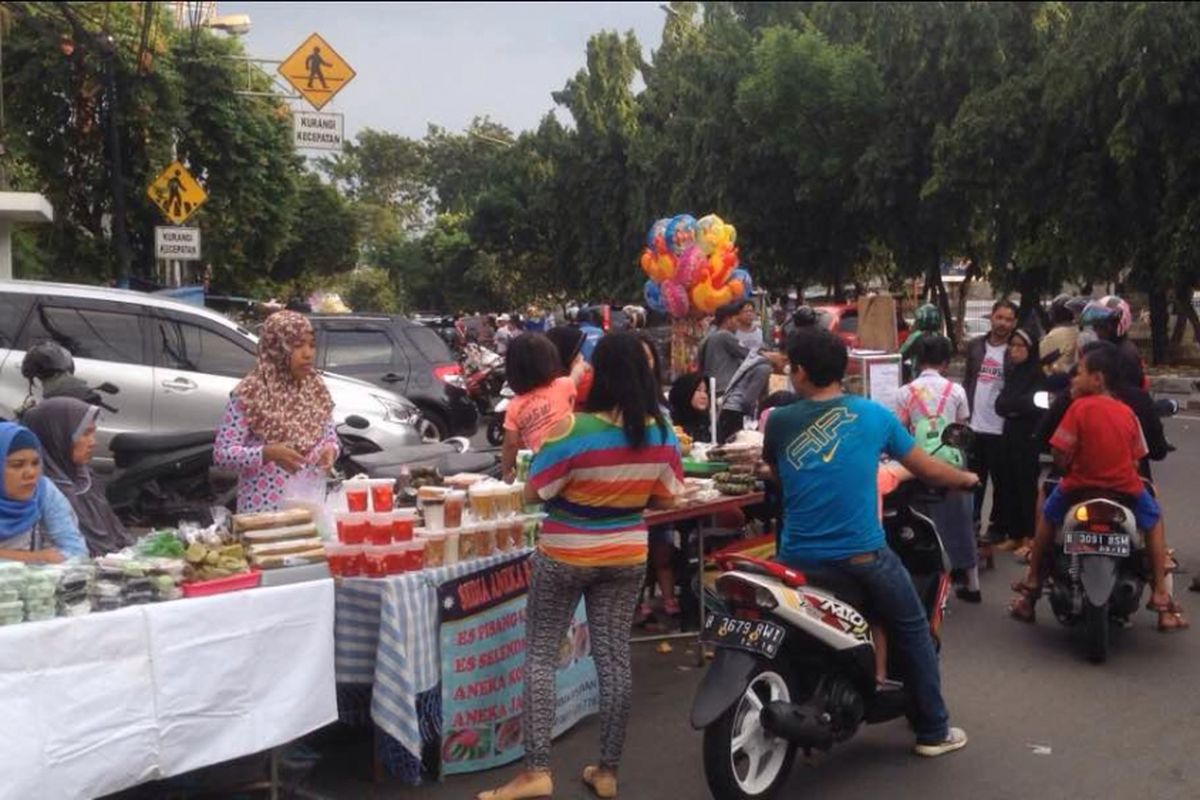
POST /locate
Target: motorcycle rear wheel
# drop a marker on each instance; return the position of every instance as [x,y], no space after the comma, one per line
[741,760]
[495,432]
[1095,622]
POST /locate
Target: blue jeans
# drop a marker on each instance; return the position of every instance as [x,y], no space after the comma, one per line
[894,600]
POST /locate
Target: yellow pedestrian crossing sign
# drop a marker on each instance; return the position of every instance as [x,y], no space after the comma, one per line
[316,71]
[176,193]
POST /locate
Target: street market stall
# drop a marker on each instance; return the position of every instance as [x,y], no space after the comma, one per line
[99,703]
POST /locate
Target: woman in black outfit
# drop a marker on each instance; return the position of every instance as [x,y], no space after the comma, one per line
[1023,378]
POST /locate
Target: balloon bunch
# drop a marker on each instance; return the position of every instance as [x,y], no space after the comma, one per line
[692,264]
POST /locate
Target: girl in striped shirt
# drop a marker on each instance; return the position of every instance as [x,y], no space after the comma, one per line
[597,474]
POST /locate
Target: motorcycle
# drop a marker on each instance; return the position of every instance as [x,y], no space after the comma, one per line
[795,659]
[50,365]
[1100,566]
[495,429]
[485,382]
[162,478]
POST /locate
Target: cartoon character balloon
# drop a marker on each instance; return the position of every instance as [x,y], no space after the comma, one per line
[675,298]
[681,233]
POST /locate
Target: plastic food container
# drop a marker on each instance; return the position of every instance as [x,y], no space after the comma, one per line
[484,496]
[383,497]
[510,534]
[456,502]
[379,530]
[467,550]
[453,541]
[414,555]
[396,556]
[485,540]
[404,520]
[353,528]
[345,560]
[435,514]
[434,545]
[375,560]
[514,500]
[357,496]
[232,583]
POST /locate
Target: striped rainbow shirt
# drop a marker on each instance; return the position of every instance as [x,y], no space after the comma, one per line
[596,487]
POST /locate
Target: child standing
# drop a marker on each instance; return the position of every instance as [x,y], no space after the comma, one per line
[926,406]
[545,398]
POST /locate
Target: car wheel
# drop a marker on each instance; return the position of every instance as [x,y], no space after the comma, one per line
[432,427]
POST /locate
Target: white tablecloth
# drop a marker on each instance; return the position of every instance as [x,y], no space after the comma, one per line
[96,704]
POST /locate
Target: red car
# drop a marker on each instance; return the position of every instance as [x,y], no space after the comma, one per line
[843,320]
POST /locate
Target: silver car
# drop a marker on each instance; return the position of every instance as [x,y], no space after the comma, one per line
[174,364]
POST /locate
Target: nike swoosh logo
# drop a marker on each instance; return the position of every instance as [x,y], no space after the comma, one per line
[829,456]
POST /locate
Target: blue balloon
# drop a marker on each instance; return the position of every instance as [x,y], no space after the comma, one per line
[681,233]
[743,276]
[654,299]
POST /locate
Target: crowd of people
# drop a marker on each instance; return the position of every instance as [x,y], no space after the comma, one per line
[593,409]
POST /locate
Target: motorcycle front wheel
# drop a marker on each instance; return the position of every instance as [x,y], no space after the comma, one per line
[495,432]
[742,761]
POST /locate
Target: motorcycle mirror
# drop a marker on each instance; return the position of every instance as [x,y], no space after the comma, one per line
[958,436]
[1041,400]
[357,422]
[108,388]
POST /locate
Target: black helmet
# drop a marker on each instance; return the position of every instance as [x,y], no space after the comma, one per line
[45,359]
[804,316]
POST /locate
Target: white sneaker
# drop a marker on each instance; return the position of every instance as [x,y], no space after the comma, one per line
[956,739]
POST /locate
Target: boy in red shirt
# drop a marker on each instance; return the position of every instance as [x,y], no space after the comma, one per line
[1098,445]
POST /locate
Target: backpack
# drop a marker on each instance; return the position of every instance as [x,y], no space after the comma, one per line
[928,427]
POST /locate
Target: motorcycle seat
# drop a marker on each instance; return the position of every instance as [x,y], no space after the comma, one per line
[159,442]
[840,584]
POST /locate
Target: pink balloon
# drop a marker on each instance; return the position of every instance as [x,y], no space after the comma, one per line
[690,266]
[675,298]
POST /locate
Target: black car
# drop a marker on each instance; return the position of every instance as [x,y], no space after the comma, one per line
[405,357]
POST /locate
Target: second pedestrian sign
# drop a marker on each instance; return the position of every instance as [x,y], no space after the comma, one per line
[316,71]
[176,193]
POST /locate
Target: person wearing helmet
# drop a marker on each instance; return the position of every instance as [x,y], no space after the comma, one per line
[1063,336]
[1110,319]
[927,320]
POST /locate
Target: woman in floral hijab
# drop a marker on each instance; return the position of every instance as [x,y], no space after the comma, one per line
[279,420]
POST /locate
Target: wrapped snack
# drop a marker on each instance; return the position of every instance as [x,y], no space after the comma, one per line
[267,535]
[272,519]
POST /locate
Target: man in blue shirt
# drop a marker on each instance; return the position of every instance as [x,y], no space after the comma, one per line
[825,449]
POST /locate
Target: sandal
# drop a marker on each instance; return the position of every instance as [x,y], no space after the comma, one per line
[1022,554]
[1170,615]
[537,785]
[603,783]
[1023,607]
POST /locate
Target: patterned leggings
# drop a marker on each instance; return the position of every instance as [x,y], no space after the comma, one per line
[610,594]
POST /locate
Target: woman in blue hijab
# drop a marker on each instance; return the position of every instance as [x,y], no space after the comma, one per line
[36,522]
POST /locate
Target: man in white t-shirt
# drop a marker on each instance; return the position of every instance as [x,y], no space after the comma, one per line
[986,357]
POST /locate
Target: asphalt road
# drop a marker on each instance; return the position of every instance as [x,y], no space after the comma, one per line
[1042,721]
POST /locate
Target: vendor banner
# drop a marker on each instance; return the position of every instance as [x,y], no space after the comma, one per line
[482,638]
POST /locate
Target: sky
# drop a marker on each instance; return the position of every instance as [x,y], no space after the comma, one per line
[446,63]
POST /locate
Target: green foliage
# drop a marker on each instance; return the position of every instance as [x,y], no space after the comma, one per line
[848,142]
[368,289]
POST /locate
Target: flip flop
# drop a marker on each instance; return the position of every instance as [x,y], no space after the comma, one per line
[1172,611]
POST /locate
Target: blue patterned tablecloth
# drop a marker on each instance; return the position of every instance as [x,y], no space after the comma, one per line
[386,636]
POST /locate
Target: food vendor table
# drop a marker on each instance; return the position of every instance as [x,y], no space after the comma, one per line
[95,704]
[697,511]
[387,638]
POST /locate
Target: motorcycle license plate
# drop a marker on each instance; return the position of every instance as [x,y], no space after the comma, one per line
[1098,544]
[757,636]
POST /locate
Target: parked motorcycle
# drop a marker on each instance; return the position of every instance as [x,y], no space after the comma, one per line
[795,659]
[485,382]
[495,428]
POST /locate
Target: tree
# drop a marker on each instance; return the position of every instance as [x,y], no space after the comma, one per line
[324,240]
